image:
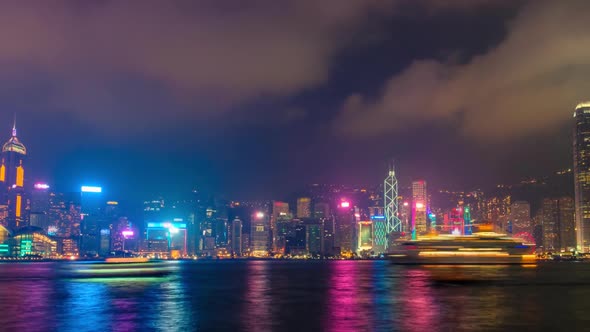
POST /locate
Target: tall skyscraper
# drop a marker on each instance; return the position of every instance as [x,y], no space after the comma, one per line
[92,233]
[304,207]
[558,224]
[582,175]
[419,206]
[259,234]
[12,177]
[40,206]
[391,205]
[236,237]
[520,217]
[344,229]
[280,211]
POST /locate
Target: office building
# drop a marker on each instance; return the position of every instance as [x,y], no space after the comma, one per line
[304,207]
[582,175]
[344,236]
[259,234]
[558,224]
[419,207]
[12,181]
[236,237]
[520,218]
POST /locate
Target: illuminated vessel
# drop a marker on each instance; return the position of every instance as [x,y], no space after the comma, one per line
[118,267]
[479,248]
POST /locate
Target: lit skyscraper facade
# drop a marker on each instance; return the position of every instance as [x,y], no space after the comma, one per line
[259,234]
[391,204]
[582,174]
[558,224]
[280,211]
[520,217]
[304,207]
[419,207]
[236,237]
[12,177]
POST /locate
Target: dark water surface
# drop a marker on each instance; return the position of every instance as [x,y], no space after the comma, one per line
[301,296]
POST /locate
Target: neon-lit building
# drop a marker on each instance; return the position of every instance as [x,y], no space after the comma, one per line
[12,179]
[259,234]
[4,234]
[582,175]
[30,241]
[419,207]
[164,237]
[379,234]
[454,223]
[304,207]
[93,234]
[344,229]
[391,204]
[365,236]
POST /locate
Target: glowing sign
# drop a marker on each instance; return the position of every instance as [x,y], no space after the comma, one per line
[91,189]
[419,205]
[52,230]
[406,203]
[41,186]
[378,217]
[177,219]
[128,233]
[166,225]
[112,203]
[105,232]
[259,215]
[345,204]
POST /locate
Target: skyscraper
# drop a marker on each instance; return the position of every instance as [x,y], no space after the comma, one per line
[419,206]
[92,234]
[259,234]
[391,204]
[582,175]
[280,211]
[12,177]
[558,224]
[304,207]
[344,229]
[236,237]
[520,217]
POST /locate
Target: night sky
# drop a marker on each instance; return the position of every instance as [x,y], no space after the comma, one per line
[254,99]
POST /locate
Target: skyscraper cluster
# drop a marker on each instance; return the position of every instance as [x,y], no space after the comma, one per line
[320,221]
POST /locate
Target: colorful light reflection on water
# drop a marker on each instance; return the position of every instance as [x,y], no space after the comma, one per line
[299,296]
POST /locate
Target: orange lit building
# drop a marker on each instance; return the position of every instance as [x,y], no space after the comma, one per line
[12,178]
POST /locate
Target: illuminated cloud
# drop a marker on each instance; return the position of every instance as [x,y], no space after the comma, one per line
[120,58]
[527,84]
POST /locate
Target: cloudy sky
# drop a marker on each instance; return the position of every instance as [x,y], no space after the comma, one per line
[255,98]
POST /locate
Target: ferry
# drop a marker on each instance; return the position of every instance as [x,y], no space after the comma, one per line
[479,248]
[121,267]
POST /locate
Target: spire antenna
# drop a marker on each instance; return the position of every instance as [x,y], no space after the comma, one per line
[14,126]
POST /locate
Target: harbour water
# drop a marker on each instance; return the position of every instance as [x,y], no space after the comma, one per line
[300,296]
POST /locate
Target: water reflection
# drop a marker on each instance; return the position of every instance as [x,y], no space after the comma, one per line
[301,296]
[350,302]
[256,314]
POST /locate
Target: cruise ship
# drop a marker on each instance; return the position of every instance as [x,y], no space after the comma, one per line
[117,267]
[479,248]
